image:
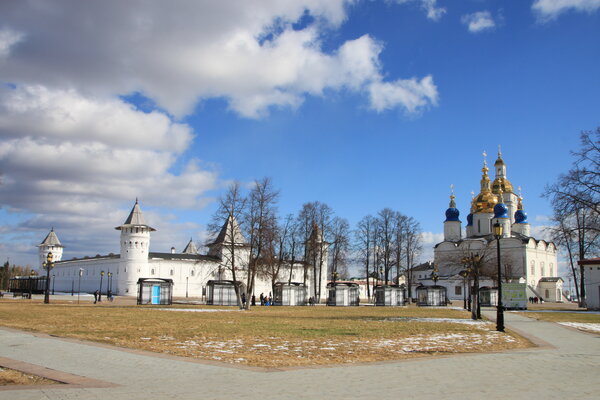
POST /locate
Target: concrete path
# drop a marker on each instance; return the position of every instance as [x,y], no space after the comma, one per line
[566,366]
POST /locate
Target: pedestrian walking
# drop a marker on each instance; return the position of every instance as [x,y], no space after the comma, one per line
[95,297]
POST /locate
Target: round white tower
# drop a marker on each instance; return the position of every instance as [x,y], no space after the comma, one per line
[135,248]
[50,244]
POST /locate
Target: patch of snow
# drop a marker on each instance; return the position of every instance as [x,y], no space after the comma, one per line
[593,327]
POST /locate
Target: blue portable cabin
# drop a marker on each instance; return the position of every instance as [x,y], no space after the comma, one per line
[155,291]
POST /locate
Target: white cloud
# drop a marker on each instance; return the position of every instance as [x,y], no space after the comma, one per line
[550,9]
[8,38]
[429,6]
[72,151]
[478,21]
[412,93]
[179,53]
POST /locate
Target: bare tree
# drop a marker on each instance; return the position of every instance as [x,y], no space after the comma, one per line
[261,225]
[386,222]
[412,248]
[575,199]
[230,211]
[340,243]
[364,238]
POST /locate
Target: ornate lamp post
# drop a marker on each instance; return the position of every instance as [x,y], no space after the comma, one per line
[100,292]
[381,273]
[79,287]
[434,275]
[48,265]
[499,308]
[335,277]
[53,276]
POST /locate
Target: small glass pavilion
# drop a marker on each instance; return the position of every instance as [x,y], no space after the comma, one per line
[431,295]
[155,291]
[342,294]
[389,295]
[488,296]
[222,293]
[290,294]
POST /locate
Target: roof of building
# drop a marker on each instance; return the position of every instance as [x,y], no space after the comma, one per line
[224,235]
[181,256]
[135,218]
[190,248]
[551,279]
[589,261]
[51,240]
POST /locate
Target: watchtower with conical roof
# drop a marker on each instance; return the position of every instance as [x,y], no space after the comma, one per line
[135,242]
[50,244]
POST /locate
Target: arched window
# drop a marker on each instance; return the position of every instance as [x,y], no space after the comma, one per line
[171,273]
[551,269]
[192,273]
[542,269]
[532,267]
[152,271]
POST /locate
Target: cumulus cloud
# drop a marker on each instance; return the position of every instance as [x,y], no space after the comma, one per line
[550,9]
[414,94]
[249,53]
[72,150]
[430,7]
[478,21]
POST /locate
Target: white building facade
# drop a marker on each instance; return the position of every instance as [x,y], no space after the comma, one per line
[523,258]
[189,270]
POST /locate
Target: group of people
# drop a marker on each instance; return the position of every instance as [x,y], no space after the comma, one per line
[266,300]
[98,296]
[535,300]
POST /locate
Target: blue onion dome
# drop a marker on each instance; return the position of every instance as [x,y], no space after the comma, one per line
[470,220]
[520,217]
[452,212]
[500,211]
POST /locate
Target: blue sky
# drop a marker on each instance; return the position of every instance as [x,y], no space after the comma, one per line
[361,105]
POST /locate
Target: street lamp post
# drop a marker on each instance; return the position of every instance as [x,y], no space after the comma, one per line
[48,265]
[381,273]
[100,292]
[499,307]
[110,286]
[79,285]
[53,276]
[31,275]
[187,279]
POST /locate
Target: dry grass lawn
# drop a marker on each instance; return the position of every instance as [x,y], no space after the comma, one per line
[12,377]
[267,336]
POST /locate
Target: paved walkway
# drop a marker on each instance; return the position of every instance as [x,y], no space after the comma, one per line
[566,367]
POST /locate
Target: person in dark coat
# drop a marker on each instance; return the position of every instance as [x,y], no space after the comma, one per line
[95,297]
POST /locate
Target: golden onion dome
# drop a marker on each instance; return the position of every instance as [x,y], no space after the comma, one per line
[485,201]
[503,184]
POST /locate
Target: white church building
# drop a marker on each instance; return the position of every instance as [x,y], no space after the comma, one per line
[189,270]
[524,258]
